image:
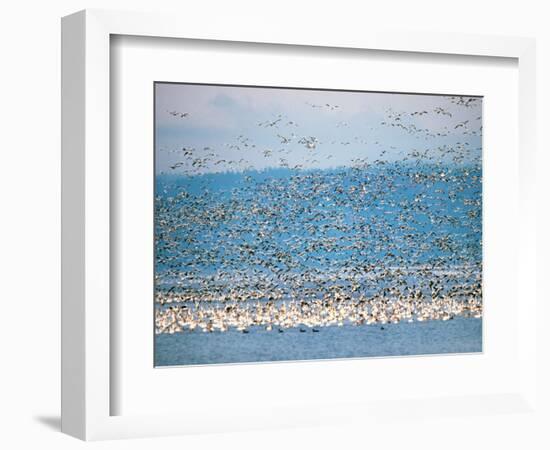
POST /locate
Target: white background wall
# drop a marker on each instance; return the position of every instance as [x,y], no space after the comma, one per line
[30,193]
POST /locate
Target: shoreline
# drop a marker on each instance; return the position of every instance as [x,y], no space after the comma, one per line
[322,313]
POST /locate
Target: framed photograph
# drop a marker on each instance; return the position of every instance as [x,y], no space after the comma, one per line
[297,224]
[247,245]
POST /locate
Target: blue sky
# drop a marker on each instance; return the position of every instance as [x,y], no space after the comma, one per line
[229,128]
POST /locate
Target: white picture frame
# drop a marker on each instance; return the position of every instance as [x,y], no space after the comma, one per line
[86,177]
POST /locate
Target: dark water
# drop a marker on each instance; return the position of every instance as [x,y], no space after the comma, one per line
[460,335]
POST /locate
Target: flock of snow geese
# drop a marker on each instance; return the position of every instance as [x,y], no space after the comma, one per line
[386,239]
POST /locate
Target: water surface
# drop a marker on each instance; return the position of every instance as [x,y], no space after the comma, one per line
[460,335]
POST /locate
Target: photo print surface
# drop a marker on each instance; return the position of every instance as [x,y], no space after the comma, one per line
[303,224]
